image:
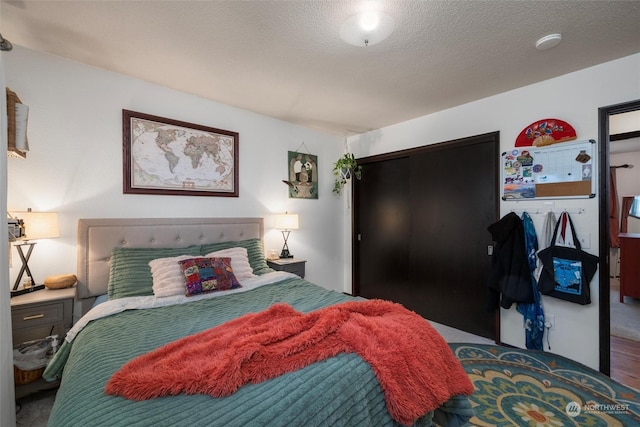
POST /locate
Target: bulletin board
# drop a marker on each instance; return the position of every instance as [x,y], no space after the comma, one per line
[554,171]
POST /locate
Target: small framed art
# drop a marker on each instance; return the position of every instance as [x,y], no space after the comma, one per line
[303,175]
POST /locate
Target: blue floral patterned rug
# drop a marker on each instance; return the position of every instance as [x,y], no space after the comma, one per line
[534,388]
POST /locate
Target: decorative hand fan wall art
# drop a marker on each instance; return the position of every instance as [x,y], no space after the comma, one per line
[545,132]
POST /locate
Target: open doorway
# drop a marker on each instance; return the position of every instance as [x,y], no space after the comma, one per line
[616,148]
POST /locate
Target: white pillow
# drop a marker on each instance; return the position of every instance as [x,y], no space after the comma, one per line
[167,275]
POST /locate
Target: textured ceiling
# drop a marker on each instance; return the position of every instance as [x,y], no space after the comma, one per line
[285,59]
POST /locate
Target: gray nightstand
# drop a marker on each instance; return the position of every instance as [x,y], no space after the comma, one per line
[42,313]
[292,265]
[37,315]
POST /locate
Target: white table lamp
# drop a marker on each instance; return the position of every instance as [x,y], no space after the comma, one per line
[286,222]
[37,225]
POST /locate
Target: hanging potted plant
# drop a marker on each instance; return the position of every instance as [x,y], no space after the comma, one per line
[344,169]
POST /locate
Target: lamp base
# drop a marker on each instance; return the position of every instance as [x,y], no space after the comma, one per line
[285,254]
[285,249]
[26,291]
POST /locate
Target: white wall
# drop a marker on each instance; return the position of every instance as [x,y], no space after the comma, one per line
[75,163]
[7,391]
[574,98]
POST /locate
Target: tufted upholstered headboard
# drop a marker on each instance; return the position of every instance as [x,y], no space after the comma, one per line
[98,236]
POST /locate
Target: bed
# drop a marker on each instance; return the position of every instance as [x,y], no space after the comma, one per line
[113,260]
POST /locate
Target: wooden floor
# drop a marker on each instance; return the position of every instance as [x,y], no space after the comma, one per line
[625,361]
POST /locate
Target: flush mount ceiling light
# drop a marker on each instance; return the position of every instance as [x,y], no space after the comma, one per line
[549,41]
[367,28]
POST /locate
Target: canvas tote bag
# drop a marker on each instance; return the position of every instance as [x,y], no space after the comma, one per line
[566,269]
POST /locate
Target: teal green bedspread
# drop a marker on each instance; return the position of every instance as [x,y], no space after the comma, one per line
[341,391]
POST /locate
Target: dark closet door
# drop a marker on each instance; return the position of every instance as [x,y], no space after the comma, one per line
[454,203]
[384,228]
[445,196]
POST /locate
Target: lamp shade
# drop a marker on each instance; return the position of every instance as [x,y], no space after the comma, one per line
[39,225]
[287,221]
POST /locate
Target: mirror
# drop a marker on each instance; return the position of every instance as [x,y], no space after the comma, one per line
[634,211]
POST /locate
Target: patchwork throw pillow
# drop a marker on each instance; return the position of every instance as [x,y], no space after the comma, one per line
[203,275]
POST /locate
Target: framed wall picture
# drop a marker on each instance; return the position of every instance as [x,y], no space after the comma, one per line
[170,157]
[17,117]
[303,175]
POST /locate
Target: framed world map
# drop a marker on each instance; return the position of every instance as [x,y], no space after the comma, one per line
[170,157]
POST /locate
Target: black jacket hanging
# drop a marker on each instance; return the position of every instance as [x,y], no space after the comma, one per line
[510,277]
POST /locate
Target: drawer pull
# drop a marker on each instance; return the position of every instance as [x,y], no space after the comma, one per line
[35,316]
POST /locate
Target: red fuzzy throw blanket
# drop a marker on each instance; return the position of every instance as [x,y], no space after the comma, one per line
[414,365]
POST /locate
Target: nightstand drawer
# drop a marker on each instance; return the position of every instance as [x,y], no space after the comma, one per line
[291,265]
[45,314]
[296,269]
